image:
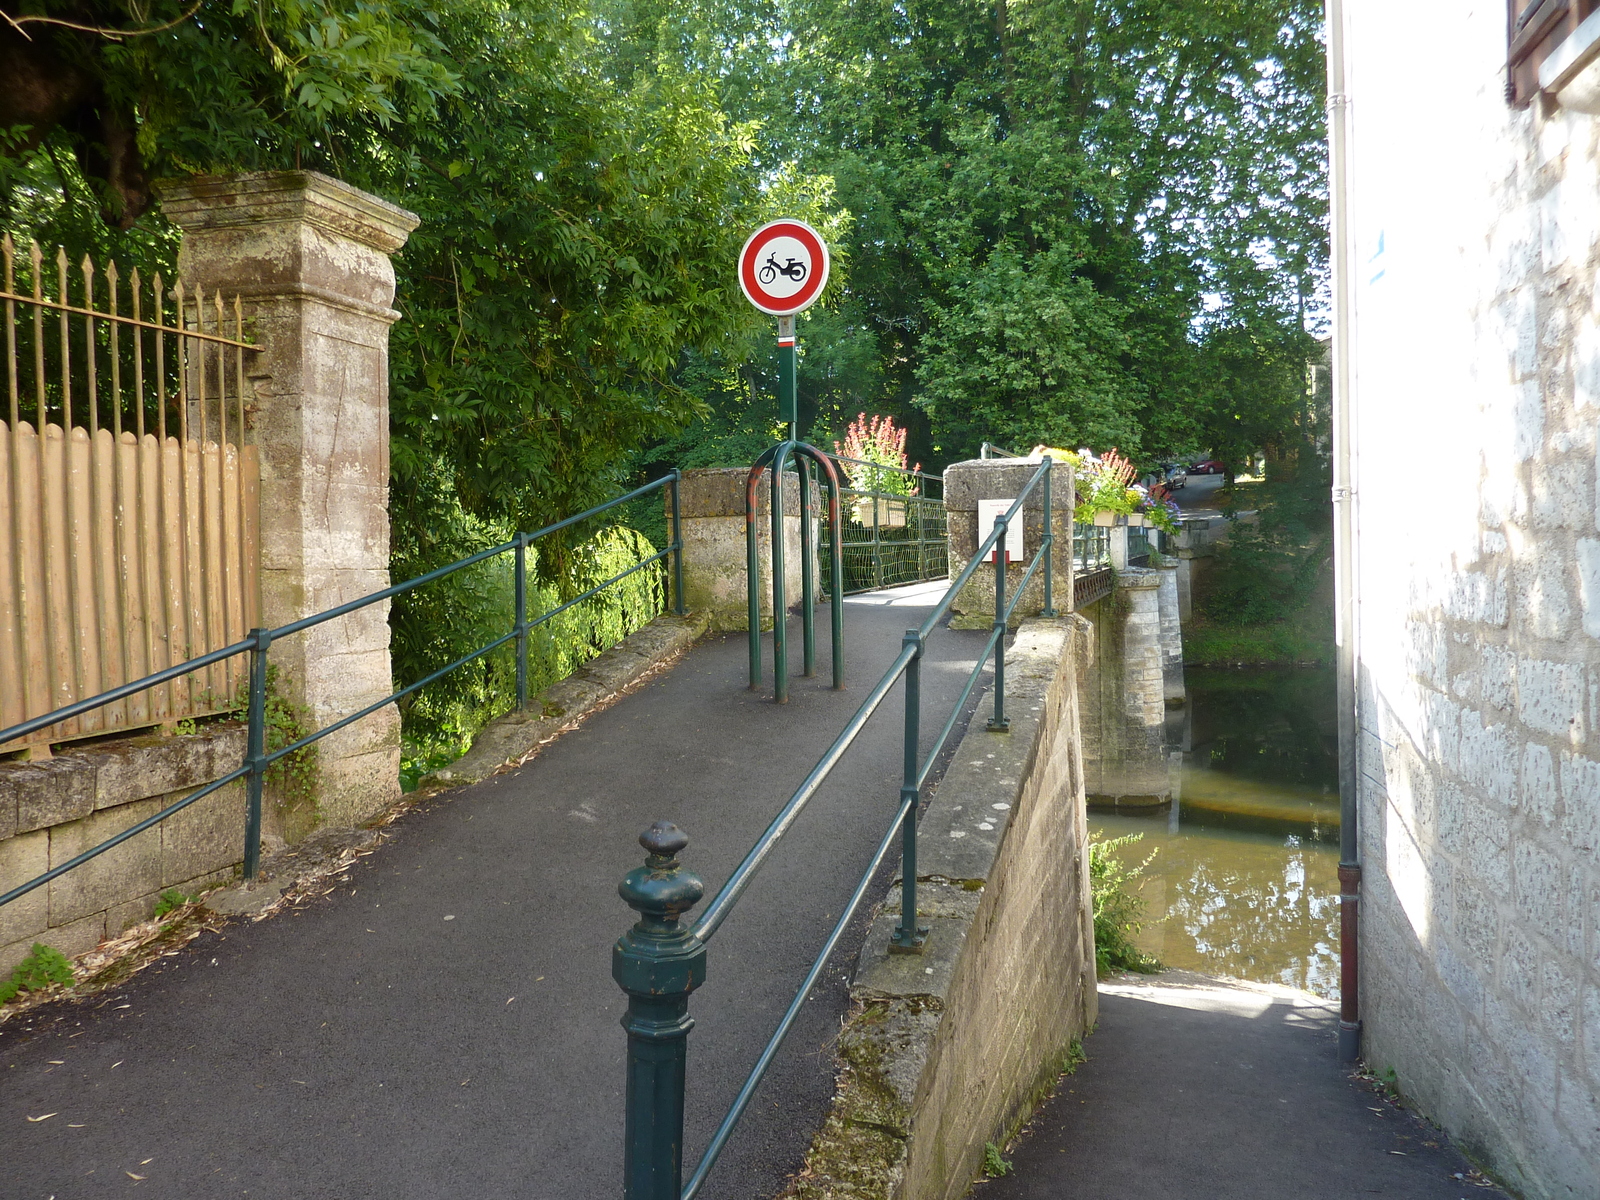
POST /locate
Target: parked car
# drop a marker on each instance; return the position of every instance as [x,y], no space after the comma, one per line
[1175,475]
[1211,466]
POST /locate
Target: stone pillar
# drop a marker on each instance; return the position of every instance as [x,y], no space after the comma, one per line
[1171,629]
[966,483]
[1119,548]
[310,257]
[714,563]
[1124,711]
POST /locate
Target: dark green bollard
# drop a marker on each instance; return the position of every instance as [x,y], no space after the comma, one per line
[657,964]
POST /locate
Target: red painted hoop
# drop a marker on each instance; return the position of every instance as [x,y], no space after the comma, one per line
[749,262]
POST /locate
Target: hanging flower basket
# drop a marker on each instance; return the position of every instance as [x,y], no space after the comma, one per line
[1110,519]
[881,511]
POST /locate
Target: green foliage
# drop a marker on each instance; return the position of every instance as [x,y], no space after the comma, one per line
[1118,909]
[44,967]
[1270,566]
[993,1165]
[170,899]
[578,220]
[286,723]
[1305,637]
[451,618]
[1074,221]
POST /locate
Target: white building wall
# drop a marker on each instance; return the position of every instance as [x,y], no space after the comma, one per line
[1476,398]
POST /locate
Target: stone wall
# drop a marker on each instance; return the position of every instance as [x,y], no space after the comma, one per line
[1122,688]
[53,810]
[955,1046]
[714,545]
[1476,391]
[965,483]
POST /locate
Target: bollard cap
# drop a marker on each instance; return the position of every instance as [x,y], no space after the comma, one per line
[663,840]
[660,891]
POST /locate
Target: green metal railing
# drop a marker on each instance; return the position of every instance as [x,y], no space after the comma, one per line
[258,759]
[660,961]
[1139,545]
[889,537]
[990,450]
[775,460]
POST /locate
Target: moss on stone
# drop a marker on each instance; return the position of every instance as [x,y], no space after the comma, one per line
[860,1151]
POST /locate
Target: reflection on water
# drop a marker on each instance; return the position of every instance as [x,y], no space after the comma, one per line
[1244,881]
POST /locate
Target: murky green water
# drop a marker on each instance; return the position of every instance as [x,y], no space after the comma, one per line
[1244,881]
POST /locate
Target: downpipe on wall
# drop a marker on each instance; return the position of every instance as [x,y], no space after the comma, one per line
[1342,262]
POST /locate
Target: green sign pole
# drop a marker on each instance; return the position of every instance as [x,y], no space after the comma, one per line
[789,413]
[788,392]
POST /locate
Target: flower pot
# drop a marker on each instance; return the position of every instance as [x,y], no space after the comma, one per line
[1136,520]
[889,513]
[1105,519]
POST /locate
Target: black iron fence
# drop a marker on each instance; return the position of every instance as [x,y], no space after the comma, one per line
[258,759]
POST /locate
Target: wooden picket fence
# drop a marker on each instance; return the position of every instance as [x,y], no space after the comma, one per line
[129,528]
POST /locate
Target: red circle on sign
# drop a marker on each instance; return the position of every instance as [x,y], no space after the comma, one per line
[784,267]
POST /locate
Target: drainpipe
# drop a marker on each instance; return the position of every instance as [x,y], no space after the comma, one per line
[1342,261]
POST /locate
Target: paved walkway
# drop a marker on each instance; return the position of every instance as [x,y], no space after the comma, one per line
[1199,1090]
[445,1024]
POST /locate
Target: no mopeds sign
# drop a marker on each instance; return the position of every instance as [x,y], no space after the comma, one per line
[783,267]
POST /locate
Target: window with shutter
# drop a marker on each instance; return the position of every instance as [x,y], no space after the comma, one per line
[1534,30]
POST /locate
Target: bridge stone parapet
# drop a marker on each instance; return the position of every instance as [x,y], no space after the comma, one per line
[965,484]
[1123,694]
[711,505]
[1173,691]
[954,1047]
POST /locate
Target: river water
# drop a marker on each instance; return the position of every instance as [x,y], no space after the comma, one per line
[1243,872]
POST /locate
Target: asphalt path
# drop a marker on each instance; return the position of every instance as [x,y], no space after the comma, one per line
[1203,1089]
[445,1024]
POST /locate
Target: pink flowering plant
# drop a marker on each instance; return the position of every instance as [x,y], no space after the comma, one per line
[881,444]
[1106,484]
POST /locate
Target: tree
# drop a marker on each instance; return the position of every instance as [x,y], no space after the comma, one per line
[1068,216]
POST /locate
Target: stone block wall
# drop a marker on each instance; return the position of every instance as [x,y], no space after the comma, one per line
[53,810]
[714,548]
[1123,688]
[1477,348]
[966,483]
[956,1045]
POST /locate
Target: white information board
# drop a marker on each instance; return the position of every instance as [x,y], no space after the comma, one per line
[990,511]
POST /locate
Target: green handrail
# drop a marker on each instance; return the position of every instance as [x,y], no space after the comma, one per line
[660,961]
[258,759]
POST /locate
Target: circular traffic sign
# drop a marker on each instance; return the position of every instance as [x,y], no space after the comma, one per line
[783,267]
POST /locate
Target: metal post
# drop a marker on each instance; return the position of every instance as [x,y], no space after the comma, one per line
[522,622]
[788,390]
[836,574]
[909,937]
[922,537]
[1049,548]
[877,544]
[808,550]
[998,722]
[255,752]
[678,605]
[657,964]
[752,572]
[780,597]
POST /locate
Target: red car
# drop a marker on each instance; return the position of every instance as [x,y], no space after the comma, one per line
[1210,467]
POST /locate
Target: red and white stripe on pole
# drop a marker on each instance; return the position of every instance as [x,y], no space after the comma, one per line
[783,269]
